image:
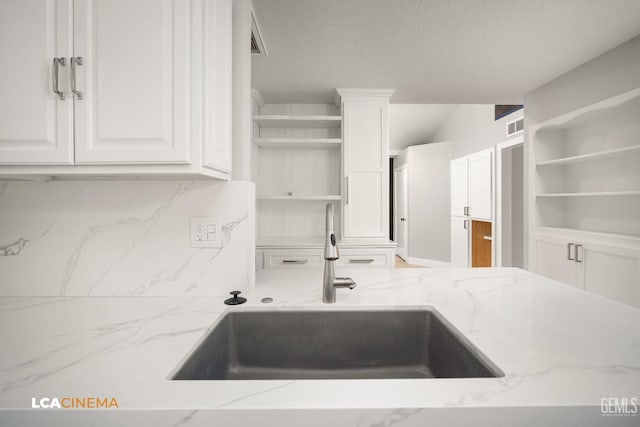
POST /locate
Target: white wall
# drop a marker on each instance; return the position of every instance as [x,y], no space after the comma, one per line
[610,74]
[414,124]
[429,200]
[471,128]
[117,238]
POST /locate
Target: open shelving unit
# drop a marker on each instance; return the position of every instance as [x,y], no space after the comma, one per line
[586,174]
[297,171]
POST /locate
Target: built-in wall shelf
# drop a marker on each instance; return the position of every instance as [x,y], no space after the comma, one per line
[298,142]
[600,155]
[298,121]
[300,197]
[585,173]
[591,194]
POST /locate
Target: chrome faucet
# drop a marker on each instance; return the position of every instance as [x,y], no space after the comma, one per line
[330,282]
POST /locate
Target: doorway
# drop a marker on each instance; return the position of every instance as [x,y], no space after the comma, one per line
[510,204]
[401,227]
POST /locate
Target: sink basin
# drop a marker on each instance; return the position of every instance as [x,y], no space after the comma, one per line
[357,344]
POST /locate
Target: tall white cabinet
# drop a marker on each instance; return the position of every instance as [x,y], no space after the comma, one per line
[308,155]
[116,87]
[472,198]
[365,204]
[585,196]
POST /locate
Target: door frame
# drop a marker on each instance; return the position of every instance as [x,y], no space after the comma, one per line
[396,217]
[497,234]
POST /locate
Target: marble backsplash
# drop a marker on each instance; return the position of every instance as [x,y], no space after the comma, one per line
[123,238]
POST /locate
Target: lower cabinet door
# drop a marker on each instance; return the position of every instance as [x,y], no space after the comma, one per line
[555,259]
[460,242]
[611,271]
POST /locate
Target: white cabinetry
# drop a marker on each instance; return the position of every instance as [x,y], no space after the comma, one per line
[365,204]
[35,124]
[459,186]
[472,185]
[459,242]
[585,194]
[145,87]
[606,269]
[299,154]
[471,199]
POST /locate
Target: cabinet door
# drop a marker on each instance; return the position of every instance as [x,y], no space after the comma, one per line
[552,259]
[459,186]
[460,242]
[481,185]
[35,124]
[135,78]
[610,271]
[366,182]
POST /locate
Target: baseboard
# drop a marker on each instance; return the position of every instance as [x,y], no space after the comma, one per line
[428,262]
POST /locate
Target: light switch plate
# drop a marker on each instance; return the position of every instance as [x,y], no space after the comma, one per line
[205,232]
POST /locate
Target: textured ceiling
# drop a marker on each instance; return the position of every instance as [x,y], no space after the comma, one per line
[431,51]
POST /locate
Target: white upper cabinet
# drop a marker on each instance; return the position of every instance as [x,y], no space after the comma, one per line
[35,122]
[472,185]
[481,185]
[459,186]
[365,164]
[134,79]
[146,84]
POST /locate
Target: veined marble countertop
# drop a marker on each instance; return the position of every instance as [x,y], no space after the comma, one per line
[558,347]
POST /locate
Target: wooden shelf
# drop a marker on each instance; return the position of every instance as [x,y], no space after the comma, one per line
[592,194]
[300,197]
[298,142]
[606,154]
[298,121]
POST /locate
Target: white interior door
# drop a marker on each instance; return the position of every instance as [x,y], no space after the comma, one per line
[35,123]
[402,211]
[459,186]
[136,81]
[459,242]
[481,185]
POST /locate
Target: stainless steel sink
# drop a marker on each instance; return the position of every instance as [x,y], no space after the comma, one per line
[362,344]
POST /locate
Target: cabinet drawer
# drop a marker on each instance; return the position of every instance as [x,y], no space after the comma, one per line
[293,259]
[355,258]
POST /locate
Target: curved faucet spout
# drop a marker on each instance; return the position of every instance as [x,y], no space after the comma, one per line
[329,281]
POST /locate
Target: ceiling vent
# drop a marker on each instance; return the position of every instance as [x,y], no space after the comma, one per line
[515,126]
[257,44]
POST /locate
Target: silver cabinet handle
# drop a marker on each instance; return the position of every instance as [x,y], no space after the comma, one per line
[360,260]
[403,219]
[569,246]
[466,224]
[294,261]
[466,211]
[346,190]
[78,60]
[57,62]
[578,247]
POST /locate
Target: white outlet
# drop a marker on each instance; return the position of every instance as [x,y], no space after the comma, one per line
[205,232]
